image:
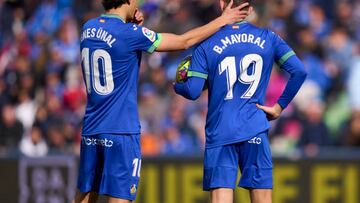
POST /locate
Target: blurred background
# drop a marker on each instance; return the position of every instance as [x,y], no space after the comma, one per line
[42,100]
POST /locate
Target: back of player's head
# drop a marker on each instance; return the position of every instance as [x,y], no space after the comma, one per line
[110,4]
[237,2]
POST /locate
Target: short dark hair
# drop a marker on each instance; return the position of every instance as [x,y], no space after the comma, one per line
[110,4]
[237,2]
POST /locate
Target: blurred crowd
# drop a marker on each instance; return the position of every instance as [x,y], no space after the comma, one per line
[42,96]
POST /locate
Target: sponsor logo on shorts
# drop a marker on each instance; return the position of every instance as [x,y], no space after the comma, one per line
[151,35]
[133,189]
[99,142]
[255,140]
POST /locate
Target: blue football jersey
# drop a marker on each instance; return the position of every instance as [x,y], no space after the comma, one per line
[111,54]
[237,61]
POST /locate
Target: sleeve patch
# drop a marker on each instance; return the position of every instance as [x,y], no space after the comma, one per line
[284,58]
[155,45]
[197,74]
[151,35]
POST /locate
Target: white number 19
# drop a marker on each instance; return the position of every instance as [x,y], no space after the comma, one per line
[228,65]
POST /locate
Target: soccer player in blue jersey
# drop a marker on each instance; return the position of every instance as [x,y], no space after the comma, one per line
[111,48]
[236,64]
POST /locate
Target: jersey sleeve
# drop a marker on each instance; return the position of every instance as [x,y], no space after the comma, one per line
[282,50]
[288,61]
[191,89]
[198,66]
[143,39]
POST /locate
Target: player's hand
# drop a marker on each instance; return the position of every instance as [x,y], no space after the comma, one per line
[234,15]
[272,113]
[138,18]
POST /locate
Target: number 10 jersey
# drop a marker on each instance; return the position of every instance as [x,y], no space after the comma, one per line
[111,54]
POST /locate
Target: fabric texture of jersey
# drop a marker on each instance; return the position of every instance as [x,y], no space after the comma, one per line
[253,157]
[110,165]
[111,54]
[234,60]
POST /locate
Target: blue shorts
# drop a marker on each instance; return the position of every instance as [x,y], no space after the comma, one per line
[110,165]
[253,157]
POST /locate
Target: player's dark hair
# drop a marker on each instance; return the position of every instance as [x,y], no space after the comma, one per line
[110,4]
[237,2]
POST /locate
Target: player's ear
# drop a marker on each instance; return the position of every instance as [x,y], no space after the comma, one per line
[251,10]
[131,2]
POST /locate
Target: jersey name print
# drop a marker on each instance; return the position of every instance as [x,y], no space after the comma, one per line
[236,39]
[99,34]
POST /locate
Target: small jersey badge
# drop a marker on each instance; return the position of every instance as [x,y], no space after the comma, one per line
[133,189]
[149,34]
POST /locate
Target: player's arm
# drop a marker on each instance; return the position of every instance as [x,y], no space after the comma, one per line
[297,77]
[288,61]
[191,89]
[196,76]
[173,42]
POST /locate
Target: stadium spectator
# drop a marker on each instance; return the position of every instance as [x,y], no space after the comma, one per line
[11,129]
[314,130]
[277,85]
[351,131]
[152,108]
[33,145]
[150,145]
[176,142]
[66,45]
[286,135]
[353,83]
[57,141]
[26,109]
[45,20]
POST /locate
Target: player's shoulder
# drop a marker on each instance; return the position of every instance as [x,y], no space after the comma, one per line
[202,47]
[101,22]
[111,24]
[207,43]
[265,32]
[272,34]
[132,30]
[90,23]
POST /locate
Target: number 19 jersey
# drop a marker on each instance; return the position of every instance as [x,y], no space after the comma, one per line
[237,61]
[111,54]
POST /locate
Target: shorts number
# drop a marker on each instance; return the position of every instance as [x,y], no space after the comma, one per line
[136,167]
[228,65]
[99,59]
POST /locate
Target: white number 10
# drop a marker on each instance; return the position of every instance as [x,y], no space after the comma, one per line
[228,65]
[136,167]
[99,56]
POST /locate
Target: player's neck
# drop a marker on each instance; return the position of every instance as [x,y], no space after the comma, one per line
[242,22]
[119,12]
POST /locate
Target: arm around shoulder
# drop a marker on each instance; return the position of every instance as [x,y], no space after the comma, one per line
[173,42]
